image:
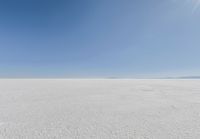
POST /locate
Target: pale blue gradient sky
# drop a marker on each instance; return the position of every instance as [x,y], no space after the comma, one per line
[99,38]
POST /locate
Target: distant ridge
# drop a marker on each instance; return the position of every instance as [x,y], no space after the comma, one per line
[185,77]
[190,77]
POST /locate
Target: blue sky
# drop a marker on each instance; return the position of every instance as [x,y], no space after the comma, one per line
[99,38]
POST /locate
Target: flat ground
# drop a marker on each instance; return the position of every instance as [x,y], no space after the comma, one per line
[99,109]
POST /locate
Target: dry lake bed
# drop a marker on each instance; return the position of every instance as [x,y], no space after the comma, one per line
[99,109]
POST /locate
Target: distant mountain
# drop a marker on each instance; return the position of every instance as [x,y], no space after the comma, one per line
[185,77]
[190,77]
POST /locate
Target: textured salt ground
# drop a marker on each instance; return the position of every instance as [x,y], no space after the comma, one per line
[99,109]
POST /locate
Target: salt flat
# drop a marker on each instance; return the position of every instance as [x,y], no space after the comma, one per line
[99,109]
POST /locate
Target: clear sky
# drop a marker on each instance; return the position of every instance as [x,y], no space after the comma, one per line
[99,38]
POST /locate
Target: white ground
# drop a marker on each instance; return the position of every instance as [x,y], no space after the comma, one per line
[99,109]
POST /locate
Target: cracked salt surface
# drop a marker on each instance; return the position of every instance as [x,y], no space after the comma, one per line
[99,109]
